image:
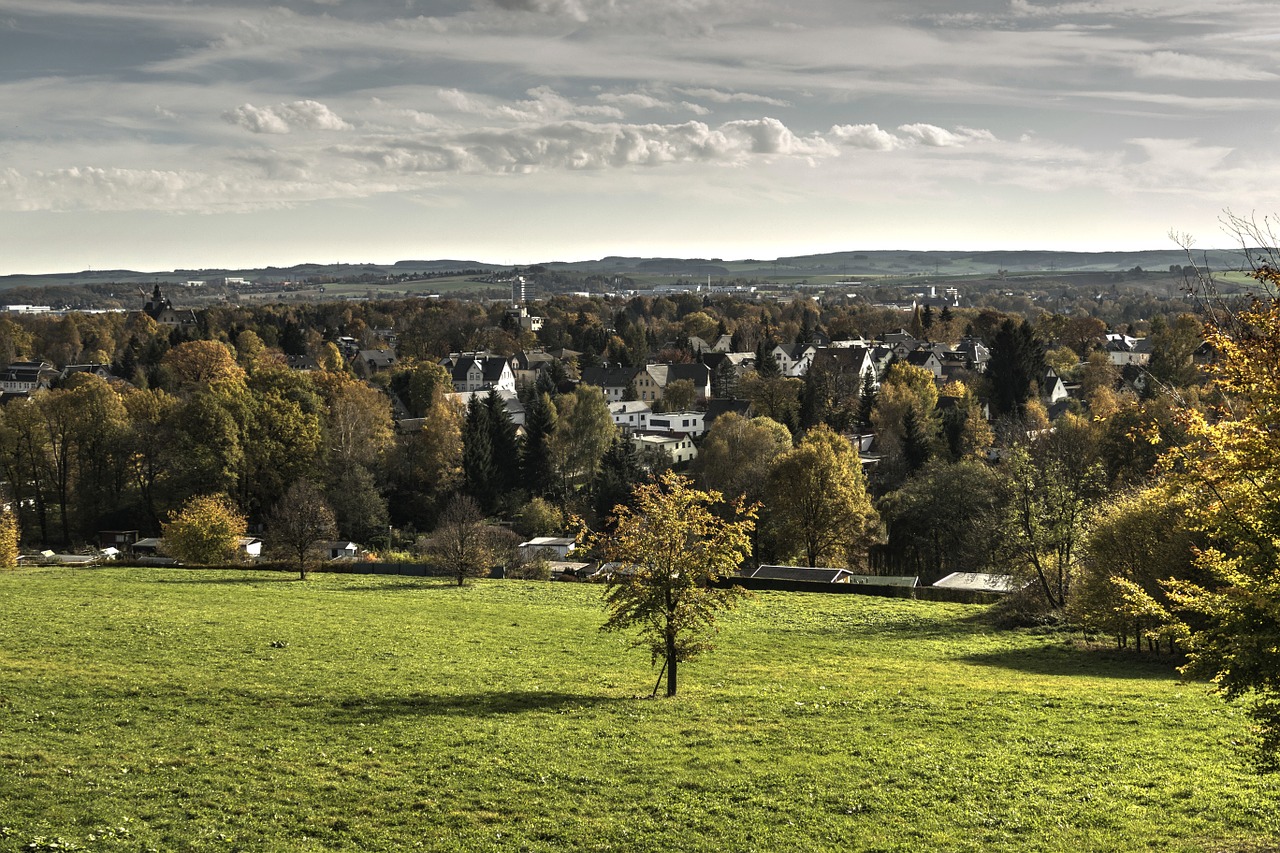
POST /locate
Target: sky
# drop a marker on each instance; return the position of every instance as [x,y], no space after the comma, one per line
[165,134]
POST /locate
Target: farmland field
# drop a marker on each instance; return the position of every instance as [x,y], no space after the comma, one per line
[179,709]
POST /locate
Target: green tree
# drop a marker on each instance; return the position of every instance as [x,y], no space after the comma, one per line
[736,454]
[205,531]
[1051,488]
[1015,369]
[945,519]
[679,396]
[540,422]
[816,502]
[670,551]
[1137,542]
[584,431]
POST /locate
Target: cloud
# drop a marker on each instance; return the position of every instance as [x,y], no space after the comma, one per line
[868,136]
[936,137]
[583,146]
[872,137]
[543,104]
[284,118]
[721,97]
[1182,66]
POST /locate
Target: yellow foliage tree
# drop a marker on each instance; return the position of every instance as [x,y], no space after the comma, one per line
[205,531]
[670,550]
[1232,483]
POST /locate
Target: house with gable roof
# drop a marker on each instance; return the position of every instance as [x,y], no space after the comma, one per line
[479,371]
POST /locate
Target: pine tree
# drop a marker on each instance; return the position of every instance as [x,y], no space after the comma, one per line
[477,454]
[504,444]
[766,364]
[536,466]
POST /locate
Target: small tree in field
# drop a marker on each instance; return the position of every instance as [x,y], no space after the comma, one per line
[670,550]
[462,543]
[206,530]
[301,519]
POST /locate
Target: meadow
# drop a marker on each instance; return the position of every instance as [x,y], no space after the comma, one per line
[151,709]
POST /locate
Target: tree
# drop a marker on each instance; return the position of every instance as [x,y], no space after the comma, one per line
[195,364]
[1016,366]
[461,543]
[679,396]
[1232,488]
[299,520]
[540,422]
[584,430]
[1137,542]
[206,530]
[944,520]
[670,551]
[736,454]
[817,504]
[1050,490]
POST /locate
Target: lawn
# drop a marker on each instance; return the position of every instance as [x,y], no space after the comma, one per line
[193,710]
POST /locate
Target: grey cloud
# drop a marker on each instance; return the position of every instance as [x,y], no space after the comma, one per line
[585,146]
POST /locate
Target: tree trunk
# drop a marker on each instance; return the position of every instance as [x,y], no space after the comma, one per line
[671,666]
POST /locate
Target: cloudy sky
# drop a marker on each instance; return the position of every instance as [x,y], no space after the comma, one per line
[154,134]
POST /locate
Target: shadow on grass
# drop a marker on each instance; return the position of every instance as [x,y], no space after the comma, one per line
[1095,663]
[469,704]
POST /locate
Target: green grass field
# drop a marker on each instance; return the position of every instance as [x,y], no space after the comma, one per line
[194,710]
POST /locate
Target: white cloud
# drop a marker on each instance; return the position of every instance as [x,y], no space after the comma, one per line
[933,136]
[868,136]
[720,97]
[284,118]
[874,138]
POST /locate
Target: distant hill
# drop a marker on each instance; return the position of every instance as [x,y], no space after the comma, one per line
[896,262]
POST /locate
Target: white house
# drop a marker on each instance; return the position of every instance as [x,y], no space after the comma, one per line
[631,415]
[693,423]
[678,446]
[554,547]
[479,371]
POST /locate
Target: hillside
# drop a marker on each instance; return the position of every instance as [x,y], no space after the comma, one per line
[201,710]
[863,263]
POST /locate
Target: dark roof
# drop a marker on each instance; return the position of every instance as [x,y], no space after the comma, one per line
[717,406]
[609,377]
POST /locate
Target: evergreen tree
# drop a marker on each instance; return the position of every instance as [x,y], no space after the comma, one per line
[620,472]
[724,380]
[766,364]
[478,470]
[1017,364]
[540,422]
[916,444]
[504,444]
[866,400]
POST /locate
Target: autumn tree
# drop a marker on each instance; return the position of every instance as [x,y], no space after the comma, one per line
[462,543]
[669,552]
[300,520]
[817,503]
[1232,487]
[206,530]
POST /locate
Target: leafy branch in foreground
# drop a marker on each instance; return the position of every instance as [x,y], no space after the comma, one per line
[668,553]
